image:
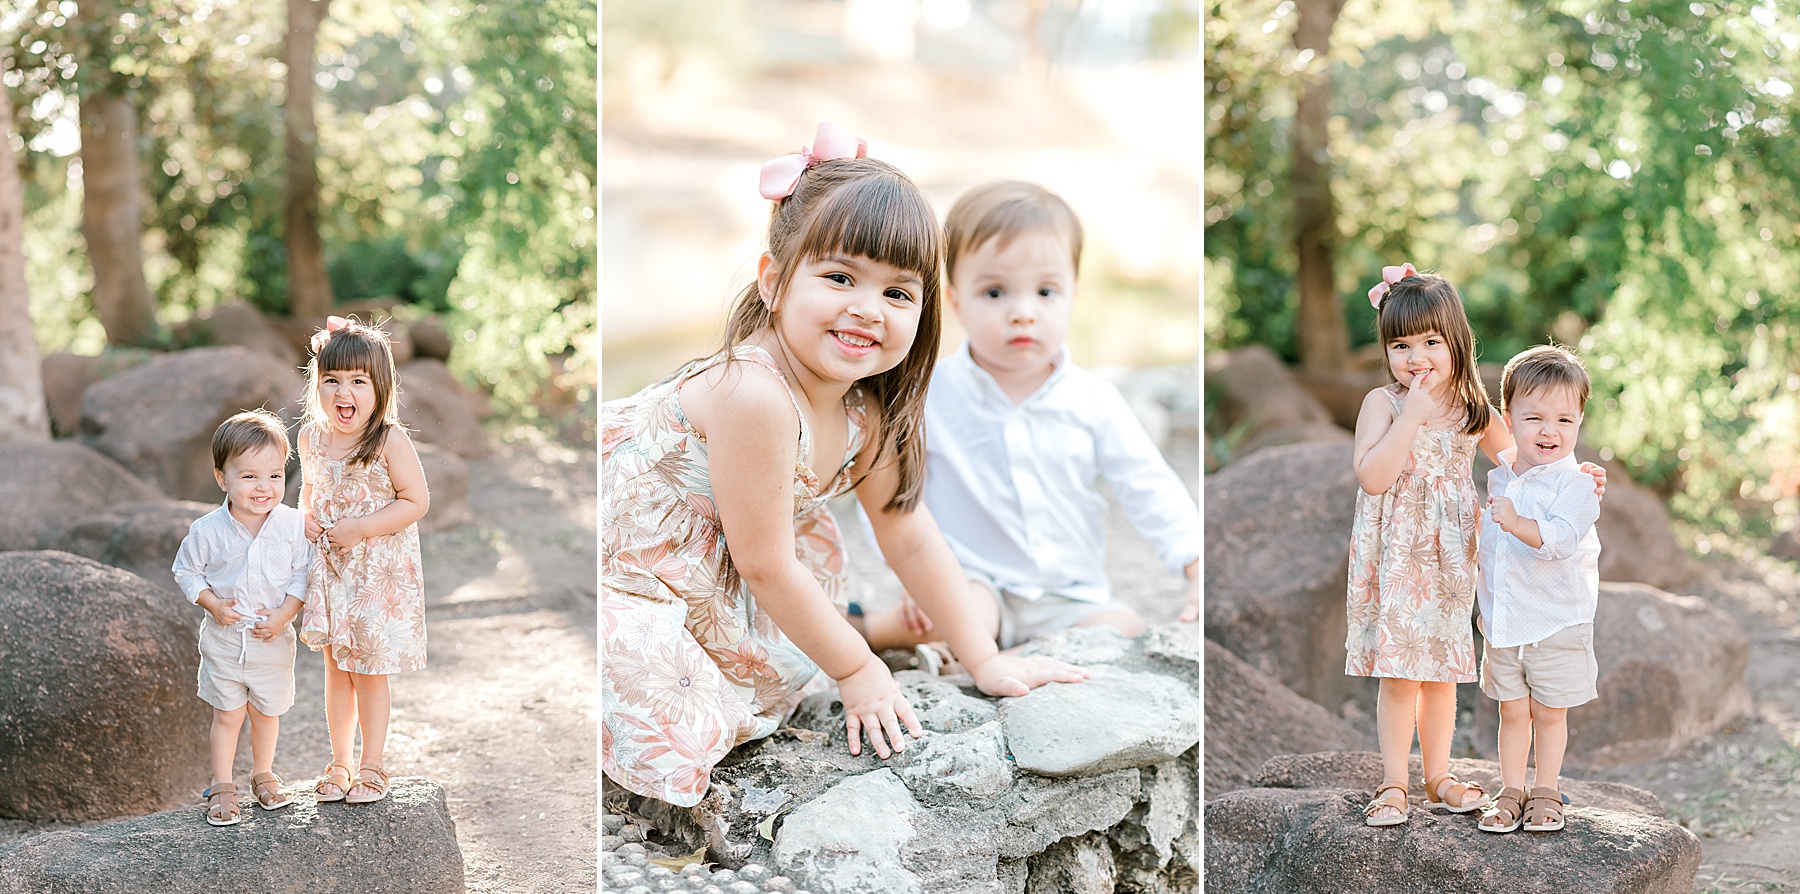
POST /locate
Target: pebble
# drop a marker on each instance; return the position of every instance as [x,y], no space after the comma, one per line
[638,889]
[724,876]
[632,832]
[612,824]
[609,843]
[656,872]
[623,875]
[693,869]
[780,884]
[632,853]
[742,888]
[712,889]
[753,872]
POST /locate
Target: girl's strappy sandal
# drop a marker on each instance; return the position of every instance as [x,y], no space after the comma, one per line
[1503,813]
[269,791]
[331,778]
[1398,803]
[221,804]
[1544,811]
[1434,791]
[378,784]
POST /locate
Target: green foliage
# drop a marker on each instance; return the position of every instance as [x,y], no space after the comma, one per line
[1606,174]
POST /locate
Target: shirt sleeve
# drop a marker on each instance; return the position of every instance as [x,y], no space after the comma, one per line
[302,562]
[190,564]
[1569,517]
[1152,495]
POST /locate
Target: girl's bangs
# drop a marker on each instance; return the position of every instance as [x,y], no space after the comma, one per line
[1409,312]
[352,351]
[881,218]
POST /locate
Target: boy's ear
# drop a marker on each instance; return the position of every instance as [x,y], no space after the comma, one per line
[950,297]
[768,275]
[219,476]
[1506,417]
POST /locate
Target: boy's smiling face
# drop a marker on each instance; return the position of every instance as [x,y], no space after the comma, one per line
[1544,423]
[254,480]
[1014,298]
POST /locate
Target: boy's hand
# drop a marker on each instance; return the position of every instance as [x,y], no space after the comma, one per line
[1599,478]
[224,614]
[1011,675]
[272,625]
[873,703]
[913,617]
[1504,514]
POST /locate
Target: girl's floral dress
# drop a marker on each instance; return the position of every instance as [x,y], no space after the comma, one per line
[368,607]
[690,664]
[1412,565]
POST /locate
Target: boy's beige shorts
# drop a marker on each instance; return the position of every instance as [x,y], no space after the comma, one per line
[233,671]
[1558,671]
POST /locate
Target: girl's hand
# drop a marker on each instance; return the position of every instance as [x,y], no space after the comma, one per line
[1419,406]
[873,703]
[345,535]
[913,617]
[1011,675]
[1599,478]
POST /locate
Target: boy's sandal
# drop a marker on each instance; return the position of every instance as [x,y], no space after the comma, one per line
[1503,813]
[333,772]
[377,784]
[269,791]
[1397,803]
[936,660]
[1544,811]
[1434,789]
[221,804]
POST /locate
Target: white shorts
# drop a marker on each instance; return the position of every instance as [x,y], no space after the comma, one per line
[237,668]
[1022,619]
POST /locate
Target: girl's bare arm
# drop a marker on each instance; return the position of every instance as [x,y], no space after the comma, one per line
[411,499]
[1383,444]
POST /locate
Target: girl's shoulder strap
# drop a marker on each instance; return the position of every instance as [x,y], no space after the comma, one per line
[759,356]
[1392,390]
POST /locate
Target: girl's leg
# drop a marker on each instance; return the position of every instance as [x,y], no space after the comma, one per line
[340,711]
[372,712]
[1552,728]
[1515,741]
[225,728]
[1437,726]
[263,731]
[1394,709]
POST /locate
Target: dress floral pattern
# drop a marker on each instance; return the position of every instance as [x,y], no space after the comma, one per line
[1413,565]
[368,607]
[691,665]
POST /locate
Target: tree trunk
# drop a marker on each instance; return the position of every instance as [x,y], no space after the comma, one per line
[309,288]
[22,411]
[1322,336]
[112,217]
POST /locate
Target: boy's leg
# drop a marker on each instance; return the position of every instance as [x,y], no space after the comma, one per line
[1120,618]
[372,704]
[1395,706]
[264,729]
[225,728]
[887,628]
[1437,726]
[1552,735]
[1515,741]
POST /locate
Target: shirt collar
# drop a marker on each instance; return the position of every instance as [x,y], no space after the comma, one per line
[1059,368]
[1507,456]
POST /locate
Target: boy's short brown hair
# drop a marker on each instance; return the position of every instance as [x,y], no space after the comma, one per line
[247,431]
[1004,209]
[1542,368]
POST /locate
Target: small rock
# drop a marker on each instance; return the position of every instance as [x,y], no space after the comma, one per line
[638,889]
[753,872]
[780,884]
[852,837]
[611,824]
[632,852]
[624,875]
[712,889]
[723,876]
[656,872]
[632,833]
[693,869]
[610,843]
[742,888]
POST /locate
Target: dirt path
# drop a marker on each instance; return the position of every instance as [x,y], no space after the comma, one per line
[1739,791]
[503,716]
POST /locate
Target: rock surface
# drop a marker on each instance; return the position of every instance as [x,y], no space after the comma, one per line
[158,419]
[1251,717]
[1252,392]
[405,844]
[98,716]
[237,324]
[1361,771]
[141,537]
[68,376]
[1637,543]
[1153,719]
[61,482]
[439,409]
[847,847]
[447,479]
[1313,839]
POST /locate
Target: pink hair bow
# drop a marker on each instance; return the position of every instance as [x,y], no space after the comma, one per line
[781,175]
[1389,276]
[332,324]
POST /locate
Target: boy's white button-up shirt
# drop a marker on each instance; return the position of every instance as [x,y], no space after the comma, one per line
[1013,486]
[252,572]
[1528,594]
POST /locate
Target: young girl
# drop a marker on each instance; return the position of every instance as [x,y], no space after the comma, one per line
[363,493]
[1412,547]
[722,582]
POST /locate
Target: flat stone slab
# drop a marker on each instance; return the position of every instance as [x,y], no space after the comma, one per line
[850,839]
[405,844]
[1113,720]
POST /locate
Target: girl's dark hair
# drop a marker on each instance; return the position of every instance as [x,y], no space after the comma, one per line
[863,208]
[1426,302]
[358,347]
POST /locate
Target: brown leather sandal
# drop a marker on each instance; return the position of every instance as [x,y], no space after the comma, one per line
[1503,813]
[1434,791]
[1544,811]
[1398,803]
[221,804]
[330,778]
[377,784]
[269,790]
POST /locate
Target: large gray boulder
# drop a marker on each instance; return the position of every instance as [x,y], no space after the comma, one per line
[1361,771]
[1312,838]
[405,844]
[439,409]
[1251,717]
[1258,402]
[237,324]
[52,484]
[158,419]
[1277,567]
[98,716]
[1637,542]
[447,478]
[141,537]
[1672,672]
[68,376]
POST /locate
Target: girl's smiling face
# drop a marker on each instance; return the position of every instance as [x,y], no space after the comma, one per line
[1413,355]
[347,396]
[845,317]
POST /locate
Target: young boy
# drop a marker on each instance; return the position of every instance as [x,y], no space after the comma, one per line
[1018,436]
[1540,583]
[245,563]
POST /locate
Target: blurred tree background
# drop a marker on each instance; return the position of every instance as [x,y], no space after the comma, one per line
[455,148]
[1616,175]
